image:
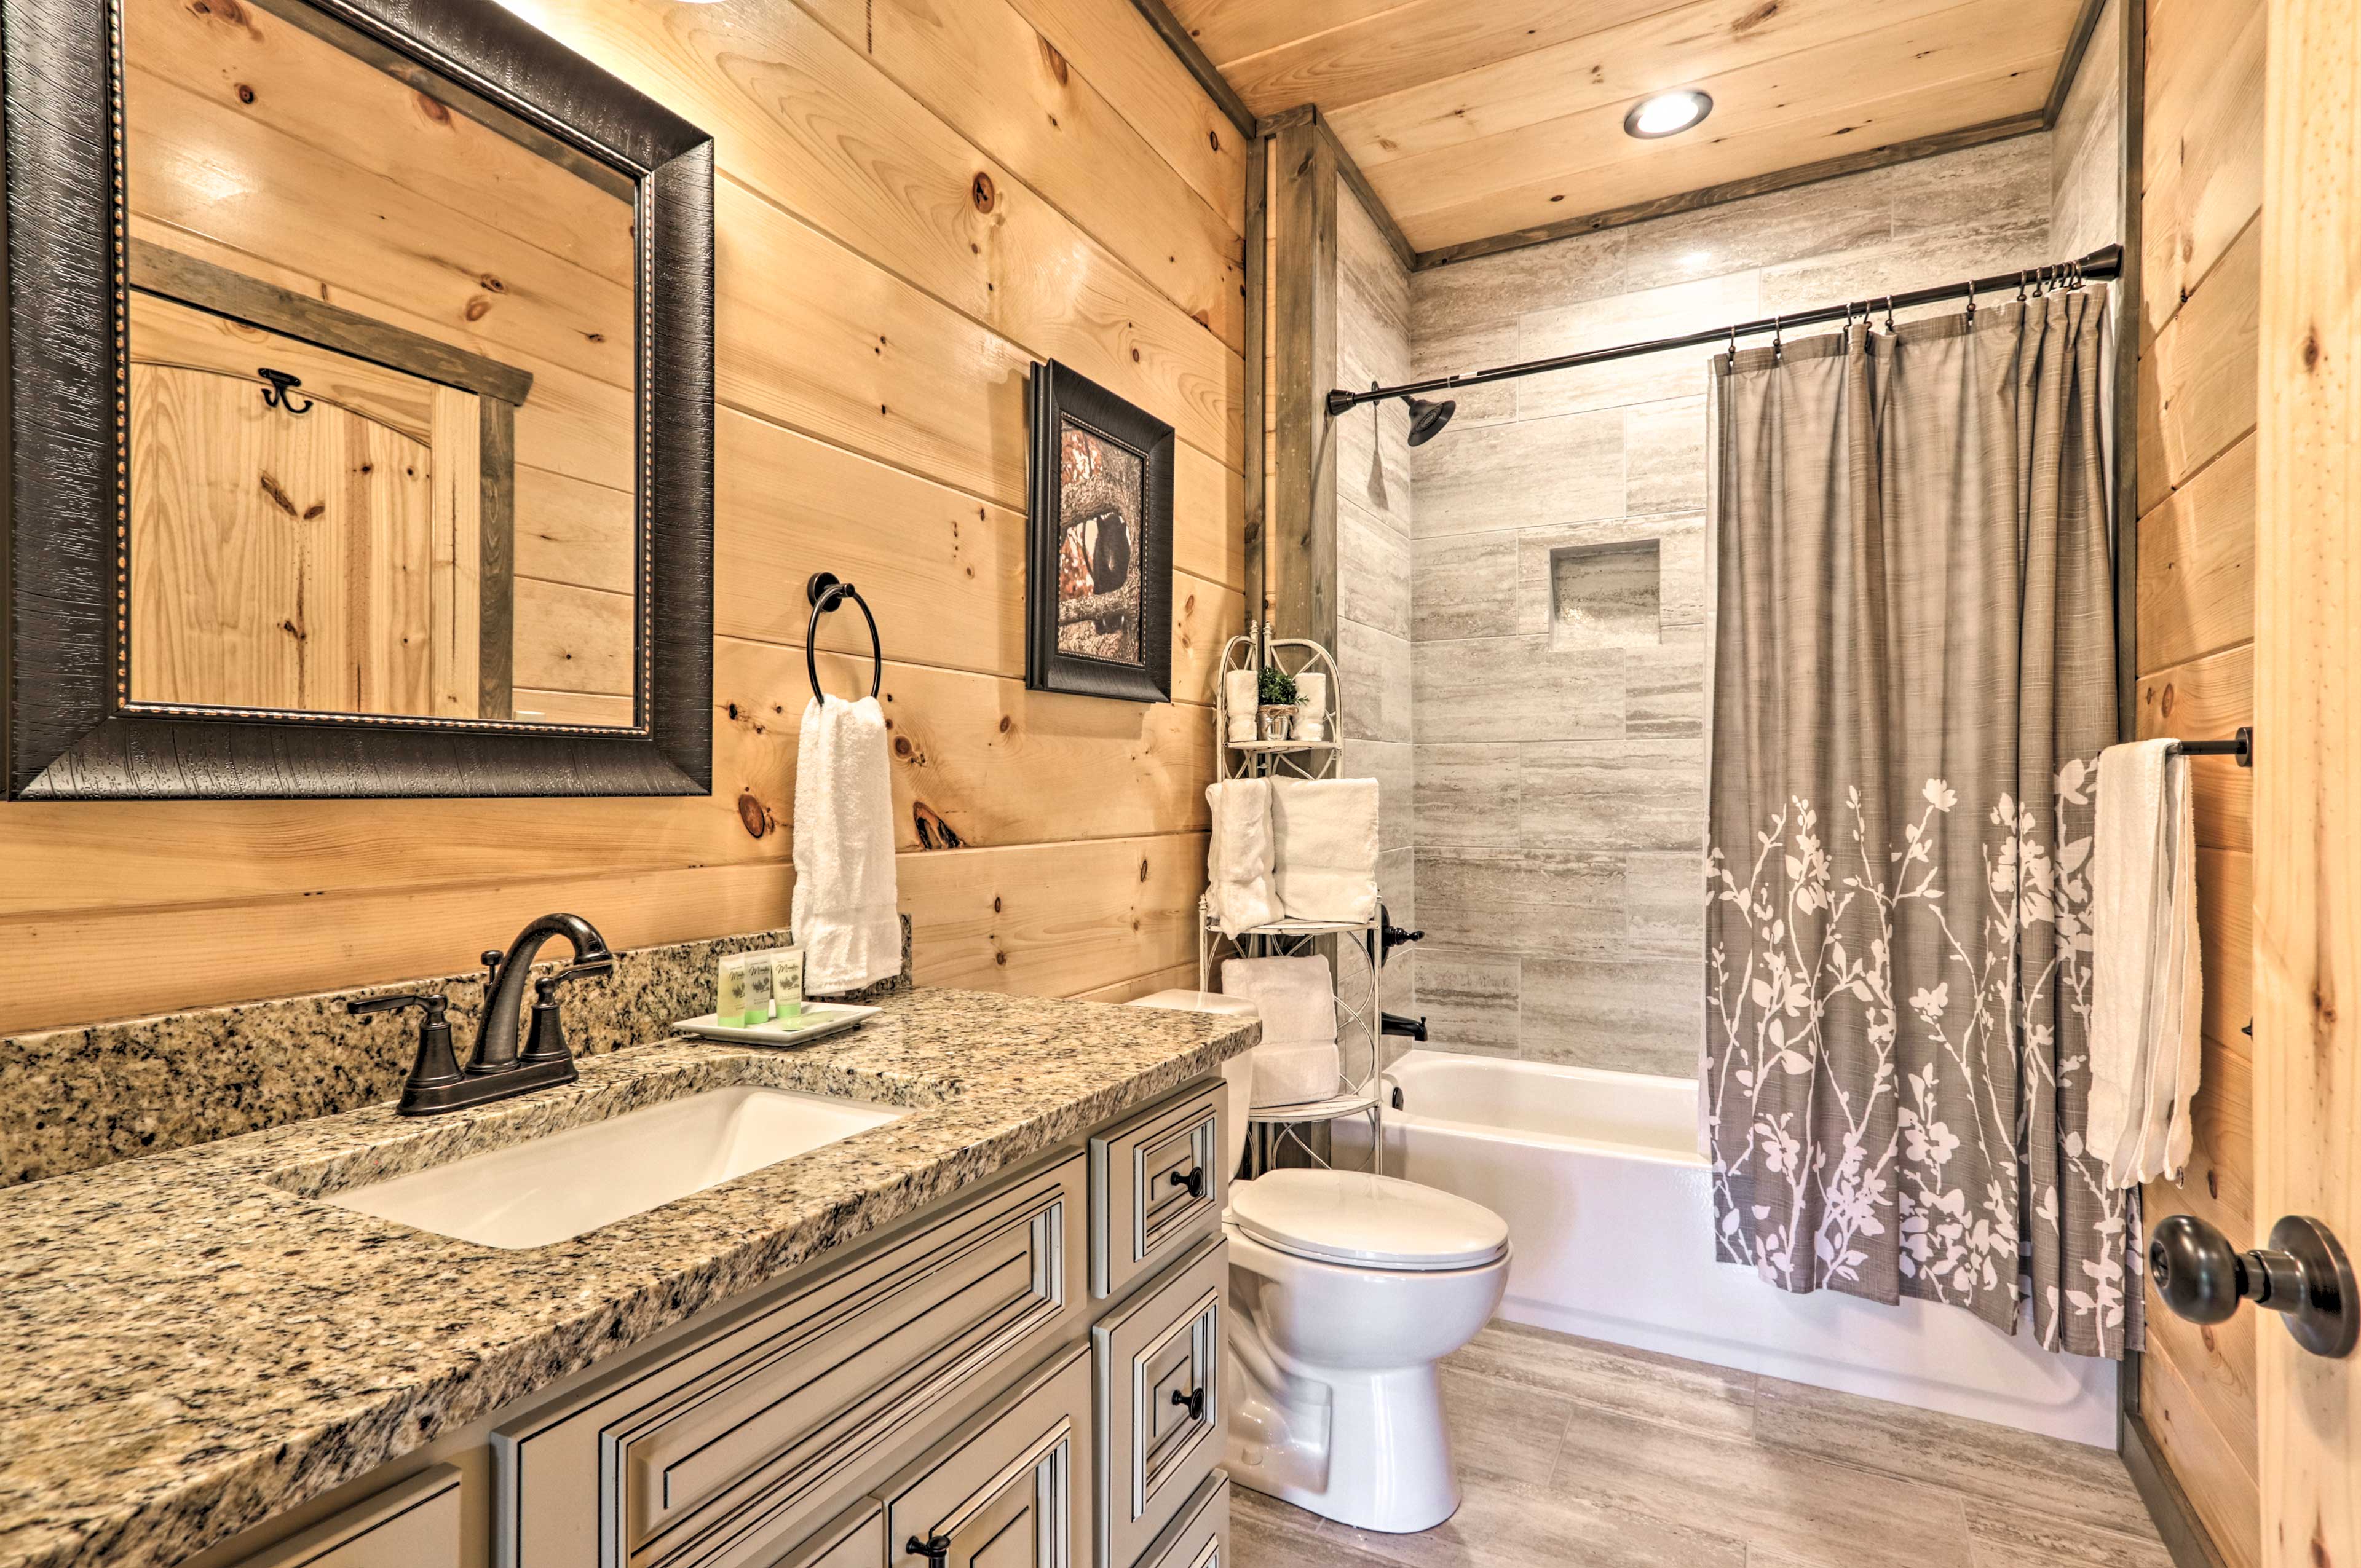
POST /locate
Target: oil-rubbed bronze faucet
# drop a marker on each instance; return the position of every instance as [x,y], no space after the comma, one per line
[496,1071]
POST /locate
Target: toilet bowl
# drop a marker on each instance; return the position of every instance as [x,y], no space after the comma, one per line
[1346,1290]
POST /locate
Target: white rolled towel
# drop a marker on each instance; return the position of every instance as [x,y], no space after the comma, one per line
[1238,856]
[844,914]
[1312,706]
[2146,995]
[1324,833]
[1297,1061]
[1240,693]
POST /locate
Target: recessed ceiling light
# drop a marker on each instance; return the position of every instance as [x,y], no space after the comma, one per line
[1666,114]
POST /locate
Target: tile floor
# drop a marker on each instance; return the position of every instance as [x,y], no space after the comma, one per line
[1589,1455]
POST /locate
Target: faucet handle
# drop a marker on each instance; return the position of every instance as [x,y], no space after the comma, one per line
[546,1042]
[434,1068]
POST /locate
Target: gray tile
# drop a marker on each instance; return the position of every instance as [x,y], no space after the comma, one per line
[1268,1533]
[1809,1510]
[1532,472]
[1494,290]
[1373,456]
[1613,1377]
[1470,998]
[1665,457]
[1664,688]
[1537,548]
[1636,1015]
[1466,794]
[1373,571]
[1463,585]
[1668,310]
[2009,1538]
[1605,596]
[1684,548]
[1375,670]
[1663,905]
[1505,1523]
[1390,764]
[1984,190]
[1503,1429]
[1762,231]
[1630,795]
[1530,902]
[1516,688]
[1458,352]
[1987,1463]
[1938,256]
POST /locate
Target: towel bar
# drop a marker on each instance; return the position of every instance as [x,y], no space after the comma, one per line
[2241,747]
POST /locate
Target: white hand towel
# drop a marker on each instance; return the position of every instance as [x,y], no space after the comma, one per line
[1312,706]
[1325,835]
[844,910]
[1238,856]
[2146,988]
[1297,1061]
[1240,693]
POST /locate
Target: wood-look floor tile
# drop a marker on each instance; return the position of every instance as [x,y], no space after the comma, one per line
[1979,1460]
[1613,1377]
[1504,1429]
[1503,1523]
[2012,1538]
[1809,1510]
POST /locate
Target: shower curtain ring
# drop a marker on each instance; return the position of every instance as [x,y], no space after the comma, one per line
[1778,348]
[1889,314]
[2020,285]
[1971,303]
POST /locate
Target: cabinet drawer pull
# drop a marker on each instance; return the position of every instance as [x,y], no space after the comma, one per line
[936,1550]
[1193,1401]
[1193,1179]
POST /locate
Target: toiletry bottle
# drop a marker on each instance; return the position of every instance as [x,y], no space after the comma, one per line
[787,982]
[729,994]
[758,990]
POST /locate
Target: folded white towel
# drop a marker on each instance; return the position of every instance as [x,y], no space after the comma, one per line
[1325,835]
[2146,987]
[1297,1061]
[1238,856]
[1312,706]
[1240,693]
[844,912]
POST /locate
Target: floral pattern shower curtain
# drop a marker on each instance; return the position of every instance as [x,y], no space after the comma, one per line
[1914,674]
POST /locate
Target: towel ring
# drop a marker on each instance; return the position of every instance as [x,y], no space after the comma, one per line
[826,591]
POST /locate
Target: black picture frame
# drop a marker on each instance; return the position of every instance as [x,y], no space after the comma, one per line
[68,726]
[1059,396]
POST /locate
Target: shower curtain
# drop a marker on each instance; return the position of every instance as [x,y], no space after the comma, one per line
[1914,672]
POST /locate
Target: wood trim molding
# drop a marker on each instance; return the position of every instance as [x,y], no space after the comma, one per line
[1739,190]
[1179,39]
[2167,1505]
[2077,44]
[1347,171]
[1257,391]
[1300,573]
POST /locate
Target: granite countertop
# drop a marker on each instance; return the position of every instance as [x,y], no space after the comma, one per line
[188,1345]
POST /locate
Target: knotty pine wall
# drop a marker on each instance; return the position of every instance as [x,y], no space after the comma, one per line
[2200,209]
[917,200]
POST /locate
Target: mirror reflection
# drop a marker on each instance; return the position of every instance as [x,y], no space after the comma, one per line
[382,374]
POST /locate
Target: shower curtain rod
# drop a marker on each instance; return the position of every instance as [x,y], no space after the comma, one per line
[2103,263]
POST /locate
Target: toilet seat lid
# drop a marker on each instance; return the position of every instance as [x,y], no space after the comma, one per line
[1352,1218]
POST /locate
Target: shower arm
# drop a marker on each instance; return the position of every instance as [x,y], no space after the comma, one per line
[2100,264]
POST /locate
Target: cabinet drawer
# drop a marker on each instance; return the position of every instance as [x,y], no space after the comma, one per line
[1005,1491]
[1200,1537]
[412,1525]
[855,1538]
[722,1456]
[1155,1184]
[1159,1394]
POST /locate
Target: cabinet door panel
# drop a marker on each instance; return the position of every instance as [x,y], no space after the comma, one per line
[1004,1491]
[1160,1415]
[413,1524]
[1200,1537]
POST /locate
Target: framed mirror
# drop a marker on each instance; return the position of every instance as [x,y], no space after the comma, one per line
[359,408]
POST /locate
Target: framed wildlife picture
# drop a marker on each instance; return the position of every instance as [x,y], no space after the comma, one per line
[1098,583]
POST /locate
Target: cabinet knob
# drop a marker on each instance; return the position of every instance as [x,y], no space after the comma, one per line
[2303,1274]
[1193,1401]
[935,1549]
[1193,1179]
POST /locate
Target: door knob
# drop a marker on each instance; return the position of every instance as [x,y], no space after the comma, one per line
[2303,1274]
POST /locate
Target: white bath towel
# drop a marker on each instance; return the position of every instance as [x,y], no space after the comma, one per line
[1325,835]
[1238,856]
[1297,1060]
[2146,989]
[844,914]
[1240,693]
[1312,706]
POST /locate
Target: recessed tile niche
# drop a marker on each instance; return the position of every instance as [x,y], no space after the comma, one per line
[1607,596]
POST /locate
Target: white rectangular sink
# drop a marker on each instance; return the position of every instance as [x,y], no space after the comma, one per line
[567,1184]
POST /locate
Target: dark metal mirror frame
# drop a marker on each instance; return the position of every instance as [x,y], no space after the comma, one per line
[68,726]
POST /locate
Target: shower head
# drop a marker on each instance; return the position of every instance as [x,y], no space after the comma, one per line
[1427,420]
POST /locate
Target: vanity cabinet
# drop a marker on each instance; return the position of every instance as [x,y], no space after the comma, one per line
[960,1393]
[413,1523]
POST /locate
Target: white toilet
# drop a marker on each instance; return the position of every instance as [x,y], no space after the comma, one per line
[1346,1290]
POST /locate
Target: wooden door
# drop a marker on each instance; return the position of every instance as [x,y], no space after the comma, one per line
[2308,759]
[325,560]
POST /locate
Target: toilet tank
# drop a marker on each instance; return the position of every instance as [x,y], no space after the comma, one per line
[1238,1073]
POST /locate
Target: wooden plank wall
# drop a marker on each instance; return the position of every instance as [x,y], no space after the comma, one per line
[2201,211]
[916,201]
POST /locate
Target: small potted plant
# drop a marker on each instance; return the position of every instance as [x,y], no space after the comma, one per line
[1275,719]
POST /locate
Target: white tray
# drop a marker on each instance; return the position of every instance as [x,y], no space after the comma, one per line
[829,1018]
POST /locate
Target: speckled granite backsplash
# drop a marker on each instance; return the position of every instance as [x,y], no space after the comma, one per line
[74,1098]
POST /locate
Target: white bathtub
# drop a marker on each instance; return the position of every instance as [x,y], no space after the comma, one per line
[1610,1212]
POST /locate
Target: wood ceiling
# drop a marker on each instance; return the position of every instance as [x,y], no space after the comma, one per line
[1478,119]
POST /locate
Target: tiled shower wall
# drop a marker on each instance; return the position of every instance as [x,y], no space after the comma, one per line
[1558,590]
